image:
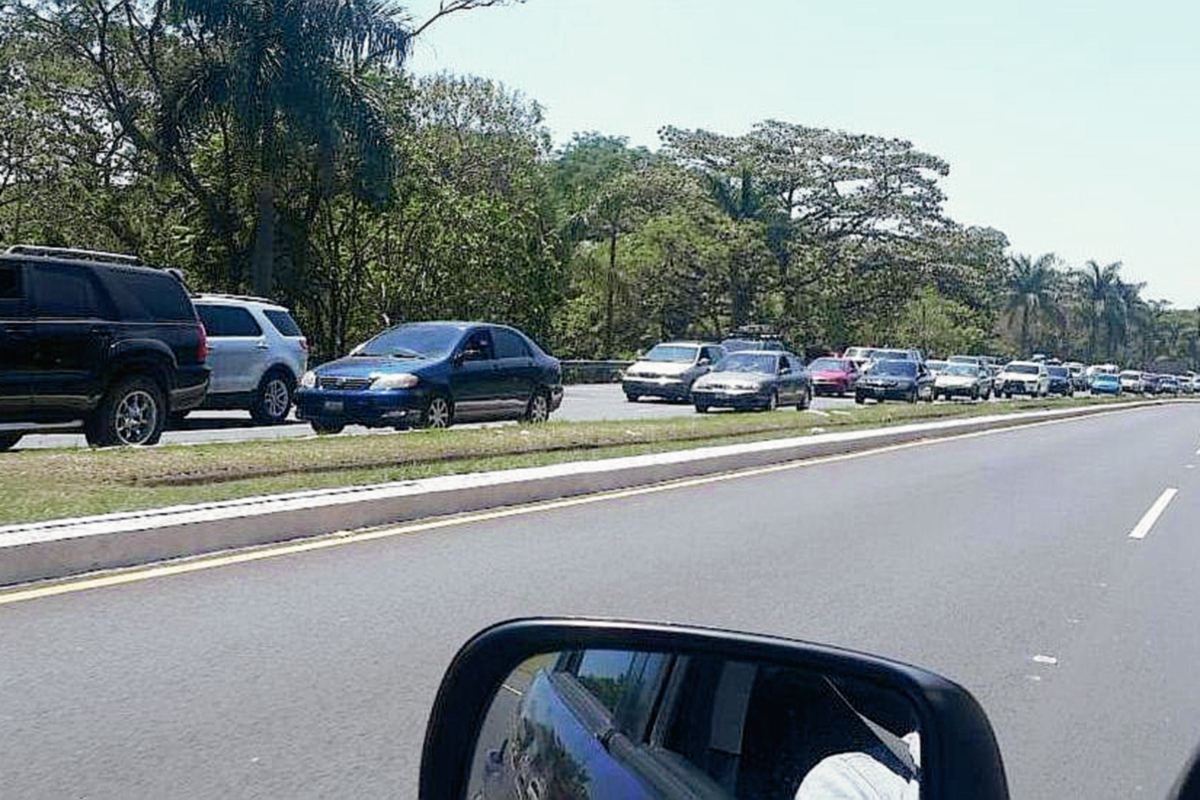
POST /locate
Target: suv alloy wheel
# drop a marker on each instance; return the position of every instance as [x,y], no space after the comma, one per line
[133,412]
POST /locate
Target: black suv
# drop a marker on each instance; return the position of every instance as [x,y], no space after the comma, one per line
[97,338]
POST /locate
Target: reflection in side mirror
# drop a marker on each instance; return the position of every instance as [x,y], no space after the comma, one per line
[575,709]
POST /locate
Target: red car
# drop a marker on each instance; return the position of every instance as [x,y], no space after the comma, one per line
[833,375]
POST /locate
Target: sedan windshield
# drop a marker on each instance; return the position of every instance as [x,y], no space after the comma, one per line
[895,367]
[829,365]
[1059,372]
[880,355]
[679,354]
[1022,369]
[969,370]
[748,362]
[413,341]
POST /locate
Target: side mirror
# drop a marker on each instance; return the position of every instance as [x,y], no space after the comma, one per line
[704,361]
[605,709]
[458,358]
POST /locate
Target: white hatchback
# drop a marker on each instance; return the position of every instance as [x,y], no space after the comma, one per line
[256,352]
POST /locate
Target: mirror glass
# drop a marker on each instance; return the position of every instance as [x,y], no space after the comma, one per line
[629,724]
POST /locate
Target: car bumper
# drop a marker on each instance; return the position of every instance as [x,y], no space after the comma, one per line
[658,387]
[883,392]
[191,385]
[958,391]
[831,387]
[370,408]
[730,398]
[1017,387]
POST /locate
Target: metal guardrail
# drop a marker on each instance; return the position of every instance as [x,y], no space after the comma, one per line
[593,371]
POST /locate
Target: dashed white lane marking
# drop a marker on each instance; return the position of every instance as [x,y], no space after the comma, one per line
[1151,516]
[1045,660]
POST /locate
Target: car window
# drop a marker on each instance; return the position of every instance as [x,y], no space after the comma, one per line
[10,281]
[509,344]
[784,364]
[478,346]
[228,321]
[282,321]
[605,674]
[65,290]
[146,295]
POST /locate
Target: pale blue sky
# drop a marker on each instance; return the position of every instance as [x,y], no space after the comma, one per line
[1071,126]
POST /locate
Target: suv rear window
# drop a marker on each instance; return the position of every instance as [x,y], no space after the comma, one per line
[63,290]
[283,322]
[228,321]
[150,296]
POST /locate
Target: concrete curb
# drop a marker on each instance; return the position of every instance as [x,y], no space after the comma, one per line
[60,548]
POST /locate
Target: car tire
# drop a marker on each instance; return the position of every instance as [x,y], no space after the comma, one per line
[438,413]
[912,396]
[133,412]
[929,397]
[273,399]
[701,408]
[325,428]
[8,440]
[537,410]
[631,398]
[859,399]
[975,393]
[772,402]
[806,399]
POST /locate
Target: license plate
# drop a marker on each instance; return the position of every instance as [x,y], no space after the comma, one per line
[333,405]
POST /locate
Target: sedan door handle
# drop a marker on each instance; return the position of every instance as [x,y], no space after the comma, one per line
[262,346]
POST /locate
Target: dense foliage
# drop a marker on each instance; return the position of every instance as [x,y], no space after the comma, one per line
[280,148]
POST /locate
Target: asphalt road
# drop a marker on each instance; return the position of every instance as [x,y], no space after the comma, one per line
[1002,561]
[580,402]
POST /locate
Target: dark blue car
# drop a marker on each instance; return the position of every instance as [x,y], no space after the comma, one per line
[433,374]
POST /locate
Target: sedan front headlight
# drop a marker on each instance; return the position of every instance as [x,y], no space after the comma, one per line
[308,380]
[400,380]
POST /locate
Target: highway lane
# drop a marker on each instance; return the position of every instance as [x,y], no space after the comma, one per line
[583,402]
[310,675]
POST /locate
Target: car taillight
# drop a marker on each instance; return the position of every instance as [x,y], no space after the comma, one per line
[202,348]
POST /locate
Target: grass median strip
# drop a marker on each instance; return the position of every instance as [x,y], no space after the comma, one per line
[50,484]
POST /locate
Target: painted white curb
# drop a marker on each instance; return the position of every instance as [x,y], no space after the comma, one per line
[59,548]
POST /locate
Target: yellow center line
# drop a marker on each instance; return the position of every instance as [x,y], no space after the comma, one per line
[339,539]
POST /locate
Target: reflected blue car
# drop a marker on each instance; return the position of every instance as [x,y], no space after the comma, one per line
[433,374]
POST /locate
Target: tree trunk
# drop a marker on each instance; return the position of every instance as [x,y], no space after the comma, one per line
[610,295]
[262,261]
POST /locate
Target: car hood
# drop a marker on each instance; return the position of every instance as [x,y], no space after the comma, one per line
[660,367]
[881,378]
[831,374]
[364,366]
[737,376]
[1017,376]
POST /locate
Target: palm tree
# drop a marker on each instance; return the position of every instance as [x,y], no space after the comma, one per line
[1032,294]
[291,79]
[1097,287]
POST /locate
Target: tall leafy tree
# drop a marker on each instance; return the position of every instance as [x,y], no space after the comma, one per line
[289,82]
[1032,295]
[1101,303]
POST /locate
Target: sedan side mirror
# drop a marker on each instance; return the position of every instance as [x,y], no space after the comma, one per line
[605,709]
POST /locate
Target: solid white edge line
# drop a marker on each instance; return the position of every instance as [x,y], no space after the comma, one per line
[1151,516]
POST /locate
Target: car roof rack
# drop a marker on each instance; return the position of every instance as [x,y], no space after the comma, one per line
[73,252]
[245,297]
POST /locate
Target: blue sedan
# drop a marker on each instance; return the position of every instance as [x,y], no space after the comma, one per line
[433,374]
[1105,384]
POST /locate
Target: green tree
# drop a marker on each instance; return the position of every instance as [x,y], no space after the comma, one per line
[288,81]
[1032,295]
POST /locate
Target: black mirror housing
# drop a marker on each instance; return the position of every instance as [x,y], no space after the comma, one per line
[959,754]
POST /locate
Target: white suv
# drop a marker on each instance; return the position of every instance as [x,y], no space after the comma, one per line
[256,353]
